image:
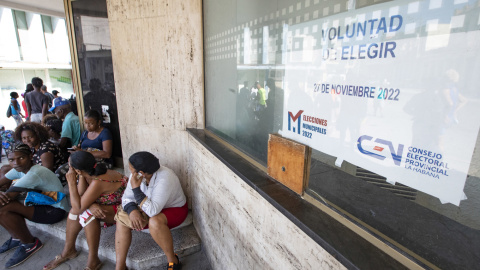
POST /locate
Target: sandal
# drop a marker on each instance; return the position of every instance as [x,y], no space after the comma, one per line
[174,266]
[96,267]
[59,260]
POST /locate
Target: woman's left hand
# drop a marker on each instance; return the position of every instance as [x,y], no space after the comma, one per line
[71,175]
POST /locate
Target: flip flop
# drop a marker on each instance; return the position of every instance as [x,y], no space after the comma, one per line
[96,267]
[59,260]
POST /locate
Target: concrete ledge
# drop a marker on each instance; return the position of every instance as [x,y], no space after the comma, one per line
[144,253]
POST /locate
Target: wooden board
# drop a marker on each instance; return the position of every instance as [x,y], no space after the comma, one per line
[288,162]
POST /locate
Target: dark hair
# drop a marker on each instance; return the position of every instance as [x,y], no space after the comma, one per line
[93,114]
[44,87]
[29,88]
[55,125]
[40,131]
[36,81]
[84,161]
[49,117]
[95,84]
[144,161]
[13,94]
[55,92]
[19,147]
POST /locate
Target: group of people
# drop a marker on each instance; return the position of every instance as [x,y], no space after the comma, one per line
[36,102]
[31,187]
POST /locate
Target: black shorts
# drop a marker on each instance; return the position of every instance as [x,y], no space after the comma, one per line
[46,214]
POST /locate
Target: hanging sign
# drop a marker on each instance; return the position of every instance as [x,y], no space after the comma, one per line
[392,89]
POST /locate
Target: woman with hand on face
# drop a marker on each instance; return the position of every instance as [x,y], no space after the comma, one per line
[96,197]
[154,199]
[45,153]
[96,139]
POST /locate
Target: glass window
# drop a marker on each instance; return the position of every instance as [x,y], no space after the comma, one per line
[383,91]
[94,53]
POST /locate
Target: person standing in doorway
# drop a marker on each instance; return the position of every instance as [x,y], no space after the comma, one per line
[16,110]
[46,93]
[37,102]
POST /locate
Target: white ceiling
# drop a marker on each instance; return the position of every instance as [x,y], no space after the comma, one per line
[45,7]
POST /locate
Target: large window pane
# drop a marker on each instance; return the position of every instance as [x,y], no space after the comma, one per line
[309,59]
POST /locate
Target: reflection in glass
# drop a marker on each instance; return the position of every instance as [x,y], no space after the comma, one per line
[315,52]
[95,62]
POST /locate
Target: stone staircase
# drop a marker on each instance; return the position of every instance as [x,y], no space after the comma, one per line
[144,253]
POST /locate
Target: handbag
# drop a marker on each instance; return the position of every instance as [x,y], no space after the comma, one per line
[9,110]
[122,217]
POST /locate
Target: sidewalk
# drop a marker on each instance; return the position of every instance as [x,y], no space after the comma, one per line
[53,246]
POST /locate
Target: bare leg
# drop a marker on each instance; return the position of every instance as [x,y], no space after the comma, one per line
[73,228]
[123,239]
[12,218]
[162,235]
[92,232]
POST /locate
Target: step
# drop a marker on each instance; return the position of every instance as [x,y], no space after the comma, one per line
[144,253]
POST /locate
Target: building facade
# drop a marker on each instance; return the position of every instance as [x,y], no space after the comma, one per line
[382,93]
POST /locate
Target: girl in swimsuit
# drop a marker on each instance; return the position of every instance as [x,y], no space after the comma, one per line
[95,198]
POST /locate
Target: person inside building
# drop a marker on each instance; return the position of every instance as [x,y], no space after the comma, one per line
[154,199]
[45,153]
[16,109]
[96,197]
[49,95]
[13,212]
[96,139]
[71,124]
[28,89]
[55,94]
[37,102]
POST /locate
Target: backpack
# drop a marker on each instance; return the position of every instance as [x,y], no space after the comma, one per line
[9,110]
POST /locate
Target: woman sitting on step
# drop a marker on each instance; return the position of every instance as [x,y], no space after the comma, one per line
[154,199]
[96,197]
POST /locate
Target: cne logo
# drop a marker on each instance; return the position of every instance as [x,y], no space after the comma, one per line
[396,155]
[292,118]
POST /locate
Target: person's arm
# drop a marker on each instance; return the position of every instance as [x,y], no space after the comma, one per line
[48,161]
[106,152]
[81,203]
[154,204]
[44,110]
[4,181]
[29,108]
[65,142]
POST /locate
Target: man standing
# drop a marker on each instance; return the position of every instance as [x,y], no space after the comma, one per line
[71,125]
[37,102]
[46,93]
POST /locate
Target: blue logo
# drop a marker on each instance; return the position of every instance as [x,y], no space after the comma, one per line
[396,155]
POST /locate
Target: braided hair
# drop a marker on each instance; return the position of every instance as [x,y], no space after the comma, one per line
[19,147]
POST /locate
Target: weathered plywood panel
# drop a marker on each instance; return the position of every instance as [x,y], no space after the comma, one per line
[288,162]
